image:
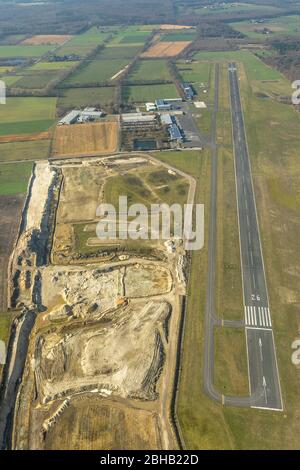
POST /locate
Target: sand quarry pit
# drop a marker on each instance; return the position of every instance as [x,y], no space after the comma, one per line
[165,49]
[81,139]
[121,355]
[45,39]
[102,332]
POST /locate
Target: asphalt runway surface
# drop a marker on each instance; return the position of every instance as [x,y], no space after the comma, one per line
[262,362]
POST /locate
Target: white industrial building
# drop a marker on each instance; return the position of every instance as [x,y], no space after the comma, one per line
[90,114]
[70,118]
[166,119]
[150,107]
[139,120]
[78,116]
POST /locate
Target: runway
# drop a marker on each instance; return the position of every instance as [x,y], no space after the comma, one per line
[262,362]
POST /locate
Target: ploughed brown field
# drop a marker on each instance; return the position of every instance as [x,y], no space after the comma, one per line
[80,139]
[24,137]
[174,26]
[166,49]
[46,39]
[10,213]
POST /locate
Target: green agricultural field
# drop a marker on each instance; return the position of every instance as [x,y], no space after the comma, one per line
[14,178]
[15,151]
[79,97]
[141,94]
[5,322]
[96,72]
[279,26]
[179,36]
[27,115]
[23,51]
[11,79]
[119,52]
[93,36]
[53,66]
[131,35]
[5,69]
[36,80]
[83,44]
[76,50]
[12,39]
[27,109]
[149,70]
[256,69]
[26,127]
[196,72]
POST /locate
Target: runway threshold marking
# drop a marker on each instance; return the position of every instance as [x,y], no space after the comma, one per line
[257,316]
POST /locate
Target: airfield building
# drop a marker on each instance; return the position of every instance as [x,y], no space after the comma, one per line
[139,120]
[167,104]
[175,133]
[188,91]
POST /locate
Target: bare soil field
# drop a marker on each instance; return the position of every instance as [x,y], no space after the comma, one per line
[165,49]
[81,139]
[10,212]
[101,424]
[46,39]
[24,137]
[174,27]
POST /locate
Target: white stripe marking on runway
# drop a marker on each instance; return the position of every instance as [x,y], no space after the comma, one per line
[259,314]
[248,316]
[252,316]
[255,316]
[263,317]
[268,316]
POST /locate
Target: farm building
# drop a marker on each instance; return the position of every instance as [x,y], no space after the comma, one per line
[70,118]
[90,114]
[77,116]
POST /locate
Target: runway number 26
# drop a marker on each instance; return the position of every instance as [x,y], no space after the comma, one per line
[296,353]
